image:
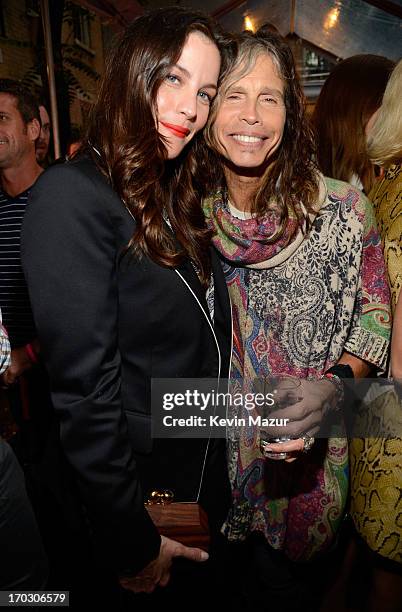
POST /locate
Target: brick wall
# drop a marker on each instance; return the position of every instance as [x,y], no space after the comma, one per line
[16,60]
[93,57]
[19,27]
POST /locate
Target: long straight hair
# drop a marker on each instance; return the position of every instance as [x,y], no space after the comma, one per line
[350,96]
[133,155]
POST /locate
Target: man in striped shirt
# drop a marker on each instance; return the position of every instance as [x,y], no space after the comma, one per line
[26,564]
[19,130]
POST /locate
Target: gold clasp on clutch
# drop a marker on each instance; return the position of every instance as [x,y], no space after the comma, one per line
[160,496]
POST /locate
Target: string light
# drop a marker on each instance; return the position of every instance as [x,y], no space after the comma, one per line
[332,18]
[248,24]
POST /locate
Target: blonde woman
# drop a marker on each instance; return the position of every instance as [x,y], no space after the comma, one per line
[376,463]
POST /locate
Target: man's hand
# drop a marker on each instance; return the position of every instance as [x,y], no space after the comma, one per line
[306,411]
[158,571]
[313,400]
[20,362]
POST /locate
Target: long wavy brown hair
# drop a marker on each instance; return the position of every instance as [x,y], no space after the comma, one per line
[133,155]
[291,179]
[349,97]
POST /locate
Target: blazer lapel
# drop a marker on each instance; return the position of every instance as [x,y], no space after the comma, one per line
[187,271]
[222,313]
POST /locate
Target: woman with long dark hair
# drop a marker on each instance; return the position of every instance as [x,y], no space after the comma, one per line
[117,260]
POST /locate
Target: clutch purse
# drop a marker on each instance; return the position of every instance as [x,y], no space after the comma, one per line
[185,522]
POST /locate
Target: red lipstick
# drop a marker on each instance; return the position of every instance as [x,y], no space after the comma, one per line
[177,130]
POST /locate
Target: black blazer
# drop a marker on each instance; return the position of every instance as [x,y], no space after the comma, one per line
[107,324]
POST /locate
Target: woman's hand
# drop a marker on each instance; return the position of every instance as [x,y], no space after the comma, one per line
[157,573]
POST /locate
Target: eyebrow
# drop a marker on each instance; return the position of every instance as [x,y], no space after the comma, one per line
[188,75]
[265,90]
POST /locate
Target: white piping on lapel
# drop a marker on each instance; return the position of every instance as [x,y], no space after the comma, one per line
[207,318]
[219,373]
[199,304]
[219,356]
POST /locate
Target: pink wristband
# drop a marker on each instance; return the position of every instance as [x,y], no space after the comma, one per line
[31,353]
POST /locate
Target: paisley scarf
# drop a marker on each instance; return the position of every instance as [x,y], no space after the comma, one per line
[254,242]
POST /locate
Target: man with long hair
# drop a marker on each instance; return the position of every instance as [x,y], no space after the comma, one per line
[305,273]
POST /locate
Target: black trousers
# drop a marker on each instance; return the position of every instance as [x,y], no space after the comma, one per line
[257,577]
[23,563]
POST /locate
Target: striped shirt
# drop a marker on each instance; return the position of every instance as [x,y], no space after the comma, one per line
[4,349]
[14,301]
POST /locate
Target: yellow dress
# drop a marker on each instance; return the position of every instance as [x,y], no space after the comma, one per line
[387,200]
[376,463]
